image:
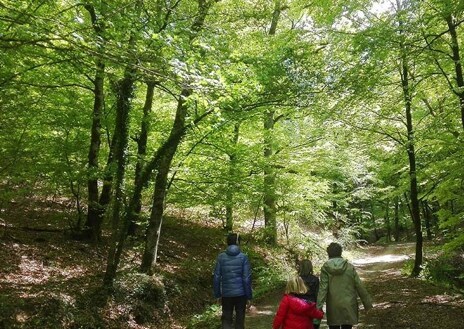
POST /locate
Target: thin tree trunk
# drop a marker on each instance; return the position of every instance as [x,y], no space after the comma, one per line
[142,150]
[94,220]
[269,197]
[177,132]
[387,221]
[105,195]
[427,219]
[408,205]
[125,92]
[374,223]
[415,209]
[231,186]
[155,223]
[157,211]
[397,219]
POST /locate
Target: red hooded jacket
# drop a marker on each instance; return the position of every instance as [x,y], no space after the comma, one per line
[296,313]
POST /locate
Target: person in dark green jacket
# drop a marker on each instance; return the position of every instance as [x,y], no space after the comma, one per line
[339,289]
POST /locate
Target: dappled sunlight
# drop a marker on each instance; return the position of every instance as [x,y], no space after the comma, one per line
[380,274]
[444,299]
[390,258]
[261,314]
[385,305]
[34,272]
[367,325]
[268,310]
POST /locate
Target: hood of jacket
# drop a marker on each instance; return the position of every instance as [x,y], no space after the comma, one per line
[233,250]
[336,266]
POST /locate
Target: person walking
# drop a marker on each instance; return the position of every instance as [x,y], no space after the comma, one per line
[312,283]
[294,312]
[339,289]
[232,283]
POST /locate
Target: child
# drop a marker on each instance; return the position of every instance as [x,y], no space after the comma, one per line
[312,283]
[295,312]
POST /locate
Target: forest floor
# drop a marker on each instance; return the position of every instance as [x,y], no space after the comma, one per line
[50,280]
[399,301]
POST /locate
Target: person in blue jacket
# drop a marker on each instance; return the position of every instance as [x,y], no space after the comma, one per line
[232,283]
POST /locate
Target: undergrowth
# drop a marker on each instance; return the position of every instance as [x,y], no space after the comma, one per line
[442,267]
[270,270]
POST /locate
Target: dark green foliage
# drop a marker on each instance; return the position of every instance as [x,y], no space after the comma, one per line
[446,269]
[146,295]
[210,319]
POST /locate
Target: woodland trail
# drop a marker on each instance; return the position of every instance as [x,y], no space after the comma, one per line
[399,301]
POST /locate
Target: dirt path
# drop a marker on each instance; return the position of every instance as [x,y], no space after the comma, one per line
[399,301]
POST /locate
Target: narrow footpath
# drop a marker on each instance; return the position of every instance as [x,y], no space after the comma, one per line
[399,301]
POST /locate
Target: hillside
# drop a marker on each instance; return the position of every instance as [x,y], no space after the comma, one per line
[49,280]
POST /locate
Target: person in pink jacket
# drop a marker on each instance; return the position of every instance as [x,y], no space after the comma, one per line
[295,312]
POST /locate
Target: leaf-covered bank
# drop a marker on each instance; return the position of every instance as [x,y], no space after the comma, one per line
[50,280]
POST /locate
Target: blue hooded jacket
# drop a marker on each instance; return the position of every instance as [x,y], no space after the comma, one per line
[232,274]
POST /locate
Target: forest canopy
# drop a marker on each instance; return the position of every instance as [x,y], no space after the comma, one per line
[269,115]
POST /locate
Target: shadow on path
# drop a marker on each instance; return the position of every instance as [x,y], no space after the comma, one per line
[399,301]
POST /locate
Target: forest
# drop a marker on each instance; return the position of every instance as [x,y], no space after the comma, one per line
[129,128]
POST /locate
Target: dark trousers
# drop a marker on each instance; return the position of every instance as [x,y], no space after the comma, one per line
[229,304]
[343,326]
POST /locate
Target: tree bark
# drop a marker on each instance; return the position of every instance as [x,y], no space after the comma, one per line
[414,199]
[165,159]
[94,217]
[387,221]
[157,211]
[397,219]
[125,92]
[410,147]
[427,219]
[142,150]
[269,193]
[231,185]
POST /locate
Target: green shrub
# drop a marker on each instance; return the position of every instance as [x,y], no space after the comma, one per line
[142,287]
[210,319]
[446,269]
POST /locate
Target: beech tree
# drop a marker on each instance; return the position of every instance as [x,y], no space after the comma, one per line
[271,115]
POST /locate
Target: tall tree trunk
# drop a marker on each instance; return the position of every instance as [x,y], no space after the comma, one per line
[94,218]
[387,221]
[427,219]
[414,199]
[157,211]
[397,219]
[155,162]
[177,132]
[269,198]
[125,92]
[407,98]
[269,193]
[451,21]
[415,211]
[105,195]
[231,185]
[142,150]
